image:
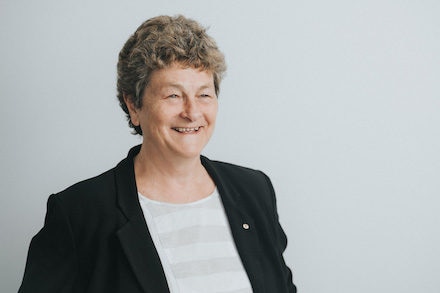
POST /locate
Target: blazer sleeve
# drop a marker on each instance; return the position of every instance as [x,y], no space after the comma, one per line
[51,265]
[280,241]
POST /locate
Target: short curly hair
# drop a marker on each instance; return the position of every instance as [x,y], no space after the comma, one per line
[157,43]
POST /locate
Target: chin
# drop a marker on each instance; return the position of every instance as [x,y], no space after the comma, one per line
[190,155]
[190,152]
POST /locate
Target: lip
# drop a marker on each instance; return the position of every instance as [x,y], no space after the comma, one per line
[187,130]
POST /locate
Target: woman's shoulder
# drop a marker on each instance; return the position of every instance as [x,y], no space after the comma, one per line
[230,168]
[102,185]
[237,174]
[88,191]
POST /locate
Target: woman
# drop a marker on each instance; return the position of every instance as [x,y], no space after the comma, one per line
[165,219]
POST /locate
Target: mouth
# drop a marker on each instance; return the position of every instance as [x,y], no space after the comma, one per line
[187,129]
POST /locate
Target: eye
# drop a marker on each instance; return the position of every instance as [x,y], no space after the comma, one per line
[173,96]
[205,96]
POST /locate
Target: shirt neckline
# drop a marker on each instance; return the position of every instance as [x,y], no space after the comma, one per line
[144,199]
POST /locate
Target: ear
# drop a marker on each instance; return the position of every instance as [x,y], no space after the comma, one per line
[132,110]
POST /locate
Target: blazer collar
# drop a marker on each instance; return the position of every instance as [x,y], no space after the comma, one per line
[138,245]
[241,222]
[134,236]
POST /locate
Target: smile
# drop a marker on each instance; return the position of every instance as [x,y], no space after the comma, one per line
[186,129]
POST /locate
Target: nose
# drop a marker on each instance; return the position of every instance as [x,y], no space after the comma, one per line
[191,110]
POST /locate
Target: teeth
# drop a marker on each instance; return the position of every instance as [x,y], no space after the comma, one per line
[184,129]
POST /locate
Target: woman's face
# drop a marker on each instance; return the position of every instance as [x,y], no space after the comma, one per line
[178,113]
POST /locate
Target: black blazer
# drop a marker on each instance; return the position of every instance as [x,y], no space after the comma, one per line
[95,238]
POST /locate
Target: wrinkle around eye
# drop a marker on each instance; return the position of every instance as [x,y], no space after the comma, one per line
[207,96]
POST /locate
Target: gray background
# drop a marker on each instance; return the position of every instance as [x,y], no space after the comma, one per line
[337,101]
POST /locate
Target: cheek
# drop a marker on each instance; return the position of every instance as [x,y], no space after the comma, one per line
[213,117]
[154,121]
[212,112]
[160,117]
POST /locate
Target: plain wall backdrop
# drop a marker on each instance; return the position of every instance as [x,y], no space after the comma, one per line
[337,101]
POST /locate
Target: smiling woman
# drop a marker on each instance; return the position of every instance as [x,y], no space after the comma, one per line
[165,219]
[178,114]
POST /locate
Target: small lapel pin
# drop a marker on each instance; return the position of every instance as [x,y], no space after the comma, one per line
[245,226]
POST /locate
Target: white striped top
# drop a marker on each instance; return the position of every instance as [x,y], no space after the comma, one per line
[195,246]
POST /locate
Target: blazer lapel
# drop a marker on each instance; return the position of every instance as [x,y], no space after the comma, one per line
[139,248]
[242,225]
[134,236]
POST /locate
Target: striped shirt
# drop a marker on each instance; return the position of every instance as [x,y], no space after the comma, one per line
[195,246]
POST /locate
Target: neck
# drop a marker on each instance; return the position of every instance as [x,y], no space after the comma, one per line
[171,179]
[157,162]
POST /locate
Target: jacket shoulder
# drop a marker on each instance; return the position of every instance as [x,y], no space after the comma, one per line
[94,185]
[250,183]
[233,169]
[90,198]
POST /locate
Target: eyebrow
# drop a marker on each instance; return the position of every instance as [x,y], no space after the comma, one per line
[181,87]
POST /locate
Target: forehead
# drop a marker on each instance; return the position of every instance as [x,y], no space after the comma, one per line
[178,76]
